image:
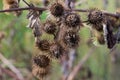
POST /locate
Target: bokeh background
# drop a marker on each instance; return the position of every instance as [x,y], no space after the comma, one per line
[18,46]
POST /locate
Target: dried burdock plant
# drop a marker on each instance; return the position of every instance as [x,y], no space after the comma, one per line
[71,39]
[41,66]
[57,9]
[64,25]
[101,23]
[96,18]
[43,45]
[10,4]
[72,20]
[56,50]
[50,27]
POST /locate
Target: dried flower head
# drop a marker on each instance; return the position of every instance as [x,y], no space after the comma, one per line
[96,17]
[56,50]
[41,60]
[41,66]
[49,27]
[71,39]
[72,20]
[43,45]
[40,73]
[57,9]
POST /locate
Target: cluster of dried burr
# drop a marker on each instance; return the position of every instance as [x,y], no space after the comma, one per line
[64,25]
[104,26]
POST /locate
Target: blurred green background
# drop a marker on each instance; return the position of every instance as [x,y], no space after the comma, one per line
[18,45]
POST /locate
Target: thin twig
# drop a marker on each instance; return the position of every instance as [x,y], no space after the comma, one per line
[80,10]
[111,14]
[8,72]
[80,64]
[43,9]
[21,9]
[10,65]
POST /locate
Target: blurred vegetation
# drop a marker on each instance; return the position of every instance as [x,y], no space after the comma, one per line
[18,45]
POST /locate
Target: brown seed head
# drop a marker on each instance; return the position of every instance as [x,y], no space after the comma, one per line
[41,66]
[43,45]
[49,27]
[57,9]
[41,60]
[56,50]
[71,39]
[72,20]
[95,16]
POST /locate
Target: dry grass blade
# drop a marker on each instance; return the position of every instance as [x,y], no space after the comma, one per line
[11,66]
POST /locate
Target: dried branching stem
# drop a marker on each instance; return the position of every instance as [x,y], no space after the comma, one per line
[80,64]
[21,9]
[43,9]
[8,72]
[10,65]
